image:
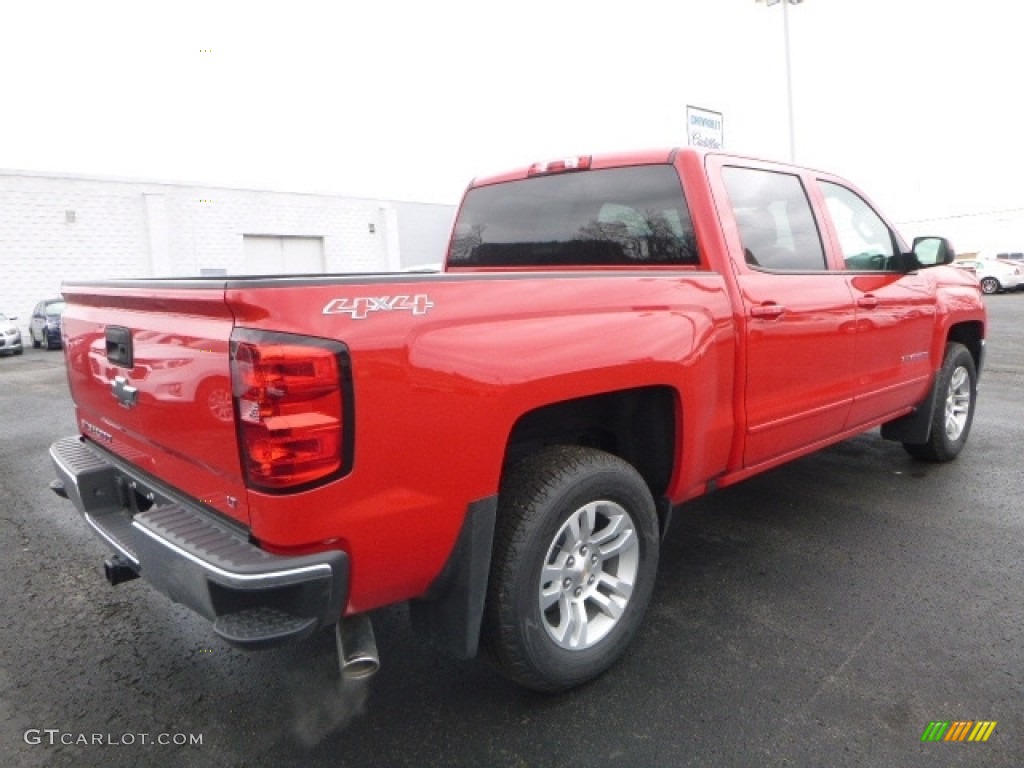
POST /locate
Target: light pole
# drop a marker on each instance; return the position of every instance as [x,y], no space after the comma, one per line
[789,72]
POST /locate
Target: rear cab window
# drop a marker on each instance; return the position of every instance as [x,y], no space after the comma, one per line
[612,217]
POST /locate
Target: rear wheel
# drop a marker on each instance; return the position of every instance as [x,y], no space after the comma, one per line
[575,557]
[35,344]
[956,392]
[990,285]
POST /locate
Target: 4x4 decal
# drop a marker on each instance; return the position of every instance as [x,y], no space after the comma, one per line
[360,307]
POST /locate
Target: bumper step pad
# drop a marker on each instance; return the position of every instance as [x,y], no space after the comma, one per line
[255,598]
[255,627]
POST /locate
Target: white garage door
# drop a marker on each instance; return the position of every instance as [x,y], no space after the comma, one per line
[272,255]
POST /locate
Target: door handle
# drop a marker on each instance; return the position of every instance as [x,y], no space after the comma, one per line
[868,301]
[767,311]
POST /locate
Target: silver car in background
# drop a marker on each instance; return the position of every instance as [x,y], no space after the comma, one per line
[995,275]
[10,336]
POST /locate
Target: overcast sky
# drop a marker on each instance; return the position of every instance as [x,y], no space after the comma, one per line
[916,101]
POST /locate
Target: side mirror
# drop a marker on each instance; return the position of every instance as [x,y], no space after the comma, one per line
[932,251]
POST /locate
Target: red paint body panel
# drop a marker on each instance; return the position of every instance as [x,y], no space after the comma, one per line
[438,391]
[432,392]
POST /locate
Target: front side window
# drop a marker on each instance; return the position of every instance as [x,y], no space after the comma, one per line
[866,241]
[634,216]
[775,220]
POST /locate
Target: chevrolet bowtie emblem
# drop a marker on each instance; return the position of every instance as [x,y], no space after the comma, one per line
[126,394]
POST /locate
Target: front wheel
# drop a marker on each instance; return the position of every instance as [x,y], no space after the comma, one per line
[573,568]
[990,285]
[956,387]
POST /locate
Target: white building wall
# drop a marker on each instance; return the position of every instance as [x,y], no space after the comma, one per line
[55,228]
[423,231]
[158,233]
[50,232]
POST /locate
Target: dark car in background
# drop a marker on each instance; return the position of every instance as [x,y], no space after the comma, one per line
[44,327]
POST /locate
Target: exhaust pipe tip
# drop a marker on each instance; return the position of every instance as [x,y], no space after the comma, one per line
[357,648]
[118,570]
[360,668]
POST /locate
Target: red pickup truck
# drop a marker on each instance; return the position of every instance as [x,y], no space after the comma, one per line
[502,445]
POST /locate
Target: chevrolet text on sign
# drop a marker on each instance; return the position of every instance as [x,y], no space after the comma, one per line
[704,128]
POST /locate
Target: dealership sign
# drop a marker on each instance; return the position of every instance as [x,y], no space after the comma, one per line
[704,128]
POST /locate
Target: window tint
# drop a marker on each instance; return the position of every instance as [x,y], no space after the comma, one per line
[866,241]
[775,220]
[619,216]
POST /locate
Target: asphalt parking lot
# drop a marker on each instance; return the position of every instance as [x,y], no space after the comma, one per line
[821,614]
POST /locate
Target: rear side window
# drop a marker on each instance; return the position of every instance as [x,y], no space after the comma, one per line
[633,216]
[775,220]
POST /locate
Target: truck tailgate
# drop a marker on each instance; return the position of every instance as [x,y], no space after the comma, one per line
[149,370]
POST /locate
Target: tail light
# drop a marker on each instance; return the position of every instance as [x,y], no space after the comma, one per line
[293,397]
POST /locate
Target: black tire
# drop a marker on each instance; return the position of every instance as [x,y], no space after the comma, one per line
[45,341]
[990,285]
[18,351]
[35,344]
[956,392]
[587,575]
